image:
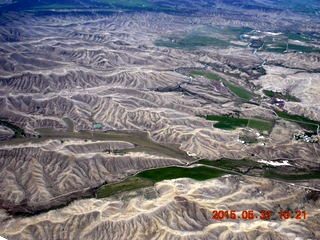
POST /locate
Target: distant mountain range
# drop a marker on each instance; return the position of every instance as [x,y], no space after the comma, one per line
[310,8]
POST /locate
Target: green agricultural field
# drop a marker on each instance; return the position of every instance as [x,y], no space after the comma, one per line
[207,36]
[18,132]
[295,117]
[226,33]
[191,42]
[149,177]
[277,47]
[234,31]
[281,46]
[297,36]
[286,96]
[239,91]
[301,48]
[57,6]
[197,173]
[248,139]
[239,165]
[292,176]
[131,183]
[260,125]
[301,120]
[230,123]
[206,74]
[236,90]
[230,164]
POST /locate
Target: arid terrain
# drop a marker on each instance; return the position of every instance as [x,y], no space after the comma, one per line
[177,209]
[96,104]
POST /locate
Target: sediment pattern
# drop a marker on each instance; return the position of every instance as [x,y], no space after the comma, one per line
[178,209]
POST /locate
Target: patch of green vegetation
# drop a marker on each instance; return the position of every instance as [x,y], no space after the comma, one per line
[280,46]
[236,31]
[295,117]
[277,47]
[261,70]
[297,36]
[239,91]
[149,177]
[131,183]
[120,151]
[291,98]
[98,5]
[231,123]
[225,32]
[206,74]
[301,120]
[286,96]
[56,6]
[197,173]
[245,165]
[298,176]
[227,123]
[191,42]
[18,132]
[206,36]
[260,125]
[301,48]
[236,90]
[230,164]
[222,118]
[128,4]
[248,139]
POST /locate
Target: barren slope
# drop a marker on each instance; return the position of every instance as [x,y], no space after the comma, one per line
[178,209]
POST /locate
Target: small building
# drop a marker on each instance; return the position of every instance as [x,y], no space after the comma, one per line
[278,102]
[308,137]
